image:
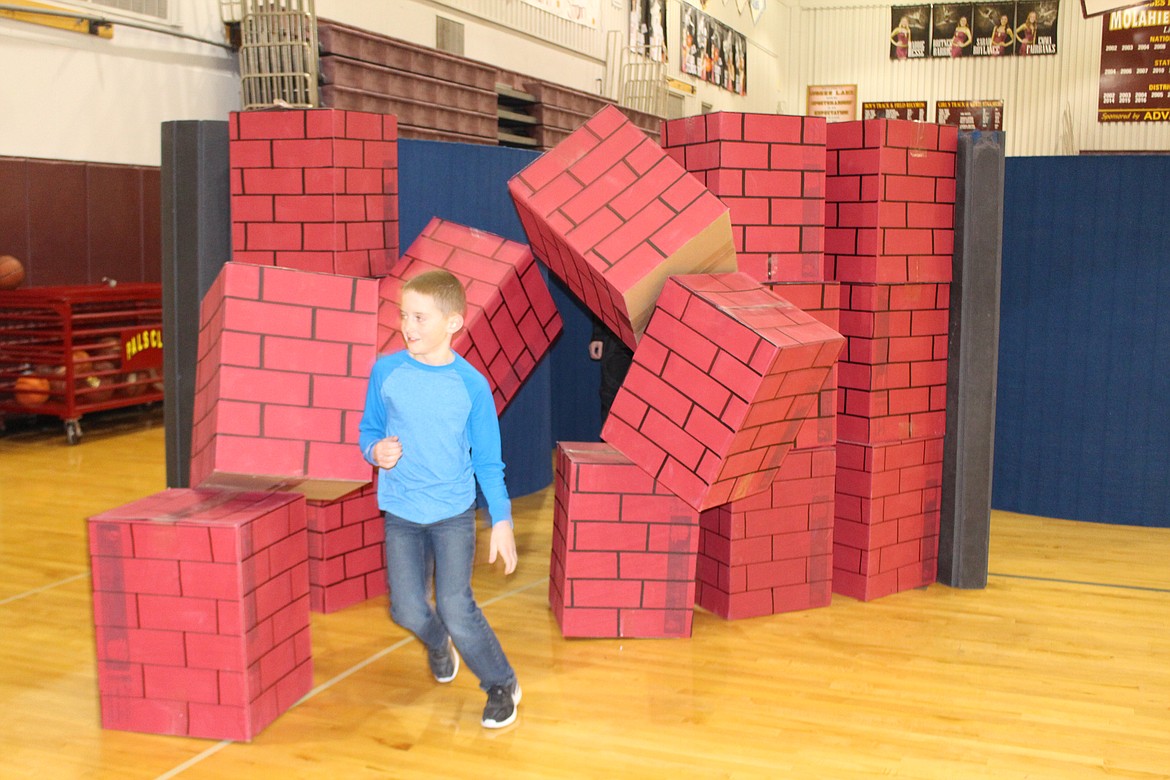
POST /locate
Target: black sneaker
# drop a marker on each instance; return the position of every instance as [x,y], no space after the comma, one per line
[444,664]
[500,709]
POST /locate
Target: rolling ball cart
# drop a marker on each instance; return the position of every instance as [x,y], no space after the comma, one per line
[67,351]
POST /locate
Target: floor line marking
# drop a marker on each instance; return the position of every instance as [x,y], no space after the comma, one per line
[43,588]
[193,760]
[1079,582]
[211,751]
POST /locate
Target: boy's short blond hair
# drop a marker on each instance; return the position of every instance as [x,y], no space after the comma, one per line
[444,289]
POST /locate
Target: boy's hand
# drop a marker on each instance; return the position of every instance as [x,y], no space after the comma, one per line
[503,543]
[387,452]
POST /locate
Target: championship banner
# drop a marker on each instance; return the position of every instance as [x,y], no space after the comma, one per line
[712,51]
[970,114]
[1134,85]
[648,28]
[914,110]
[586,12]
[834,102]
[950,30]
[911,31]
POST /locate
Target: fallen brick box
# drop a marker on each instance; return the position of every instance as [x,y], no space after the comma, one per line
[725,377]
[612,216]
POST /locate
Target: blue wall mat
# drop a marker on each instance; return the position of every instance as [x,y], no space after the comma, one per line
[576,409]
[1083,409]
[468,184]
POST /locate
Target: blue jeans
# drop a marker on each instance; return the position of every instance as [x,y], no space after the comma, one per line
[445,551]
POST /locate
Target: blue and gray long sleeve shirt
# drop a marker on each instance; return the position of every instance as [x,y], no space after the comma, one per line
[445,419]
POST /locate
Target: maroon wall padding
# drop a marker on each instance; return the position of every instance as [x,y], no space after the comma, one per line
[77,222]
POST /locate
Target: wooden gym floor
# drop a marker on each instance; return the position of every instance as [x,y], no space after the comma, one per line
[1060,668]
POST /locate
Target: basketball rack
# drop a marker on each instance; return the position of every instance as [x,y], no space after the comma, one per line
[71,350]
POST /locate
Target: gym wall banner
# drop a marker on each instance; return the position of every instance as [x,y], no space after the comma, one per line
[970,114]
[1135,55]
[957,30]
[648,29]
[914,110]
[950,30]
[910,33]
[995,30]
[586,12]
[712,51]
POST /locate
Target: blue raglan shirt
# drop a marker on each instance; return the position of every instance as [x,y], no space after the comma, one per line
[445,418]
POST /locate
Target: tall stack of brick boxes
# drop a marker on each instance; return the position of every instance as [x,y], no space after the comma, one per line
[725,373]
[771,552]
[889,240]
[315,190]
[613,217]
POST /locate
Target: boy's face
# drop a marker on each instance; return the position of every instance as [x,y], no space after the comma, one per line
[426,330]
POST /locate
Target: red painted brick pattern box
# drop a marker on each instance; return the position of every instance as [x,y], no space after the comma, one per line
[772,552]
[347,551]
[887,517]
[770,171]
[511,319]
[201,612]
[889,214]
[893,372]
[724,377]
[822,301]
[890,195]
[315,190]
[284,356]
[623,549]
[613,216]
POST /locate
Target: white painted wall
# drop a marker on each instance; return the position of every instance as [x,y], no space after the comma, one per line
[69,96]
[74,97]
[505,33]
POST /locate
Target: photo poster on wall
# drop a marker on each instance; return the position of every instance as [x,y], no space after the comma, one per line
[970,114]
[1036,28]
[914,110]
[712,51]
[995,30]
[910,33]
[1134,84]
[648,29]
[950,30]
[956,30]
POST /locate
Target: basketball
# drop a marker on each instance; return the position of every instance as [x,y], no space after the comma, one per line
[11,272]
[81,364]
[97,388]
[31,390]
[132,384]
[109,348]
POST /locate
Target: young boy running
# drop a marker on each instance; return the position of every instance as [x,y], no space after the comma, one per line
[430,426]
